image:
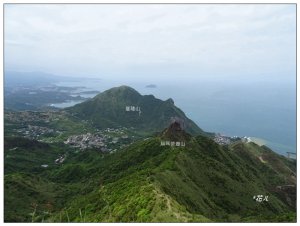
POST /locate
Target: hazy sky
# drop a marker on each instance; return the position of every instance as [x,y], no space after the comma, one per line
[151,40]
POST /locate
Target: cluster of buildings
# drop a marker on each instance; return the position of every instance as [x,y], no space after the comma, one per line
[34,132]
[33,125]
[88,140]
[106,140]
[225,140]
[222,140]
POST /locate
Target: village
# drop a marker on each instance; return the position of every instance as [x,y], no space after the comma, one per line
[107,140]
[88,140]
[35,132]
[38,125]
[33,125]
[226,140]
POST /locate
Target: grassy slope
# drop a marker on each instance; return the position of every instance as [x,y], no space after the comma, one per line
[149,183]
[205,179]
[25,183]
[30,198]
[108,110]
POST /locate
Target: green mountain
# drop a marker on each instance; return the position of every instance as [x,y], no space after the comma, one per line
[108,110]
[174,173]
[147,182]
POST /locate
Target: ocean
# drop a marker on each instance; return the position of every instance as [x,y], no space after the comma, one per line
[263,108]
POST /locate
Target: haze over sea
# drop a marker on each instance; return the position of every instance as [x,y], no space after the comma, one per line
[230,67]
[264,108]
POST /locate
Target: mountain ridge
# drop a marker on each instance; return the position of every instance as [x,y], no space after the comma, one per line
[108,109]
[148,180]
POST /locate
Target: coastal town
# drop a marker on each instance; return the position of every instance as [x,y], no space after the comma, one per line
[226,140]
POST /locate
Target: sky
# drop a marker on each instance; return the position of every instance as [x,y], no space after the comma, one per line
[157,40]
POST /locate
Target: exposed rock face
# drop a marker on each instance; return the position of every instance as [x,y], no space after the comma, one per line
[175,127]
[175,132]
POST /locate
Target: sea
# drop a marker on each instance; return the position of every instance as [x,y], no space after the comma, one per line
[263,109]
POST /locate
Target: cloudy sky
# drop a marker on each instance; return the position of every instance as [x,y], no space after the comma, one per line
[151,40]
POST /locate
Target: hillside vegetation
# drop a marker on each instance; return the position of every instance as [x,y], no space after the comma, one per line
[137,177]
[146,182]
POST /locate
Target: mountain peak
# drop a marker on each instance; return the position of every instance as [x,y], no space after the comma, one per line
[175,131]
[118,107]
[121,90]
[124,94]
[170,100]
[123,87]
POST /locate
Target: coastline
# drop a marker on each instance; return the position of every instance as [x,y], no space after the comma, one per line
[259,141]
[276,147]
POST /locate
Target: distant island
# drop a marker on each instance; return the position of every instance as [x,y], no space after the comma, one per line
[151,86]
[90,92]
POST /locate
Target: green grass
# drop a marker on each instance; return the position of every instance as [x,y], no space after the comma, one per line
[146,182]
